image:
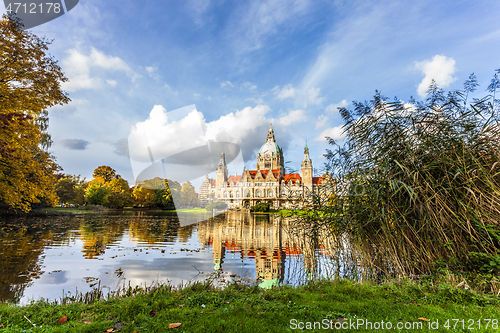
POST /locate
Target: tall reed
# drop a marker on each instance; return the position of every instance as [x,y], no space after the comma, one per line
[420,179]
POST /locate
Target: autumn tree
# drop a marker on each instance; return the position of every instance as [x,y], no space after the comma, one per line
[71,189]
[189,197]
[120,195]
[143,197]
[106,172]
[30,83]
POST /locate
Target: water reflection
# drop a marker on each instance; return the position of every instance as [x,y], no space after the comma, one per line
[44,258]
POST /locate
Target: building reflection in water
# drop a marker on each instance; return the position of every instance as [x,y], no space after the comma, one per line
[259,237]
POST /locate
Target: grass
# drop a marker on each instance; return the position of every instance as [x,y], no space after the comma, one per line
[70,210]
[192,210]
[238,308]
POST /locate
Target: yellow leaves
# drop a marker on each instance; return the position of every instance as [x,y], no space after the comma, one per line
[29,84]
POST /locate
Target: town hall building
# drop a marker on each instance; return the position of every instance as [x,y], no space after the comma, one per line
[268,183]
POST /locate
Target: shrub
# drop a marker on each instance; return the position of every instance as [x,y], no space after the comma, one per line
[260,207]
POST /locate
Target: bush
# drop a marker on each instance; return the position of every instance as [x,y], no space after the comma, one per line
[260,207]
[216,205]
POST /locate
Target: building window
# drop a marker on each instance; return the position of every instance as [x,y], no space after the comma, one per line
[258,193]
[237,194]
[247,193]
[270,193]
[225,194]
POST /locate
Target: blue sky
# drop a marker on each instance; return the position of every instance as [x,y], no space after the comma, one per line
[246,64]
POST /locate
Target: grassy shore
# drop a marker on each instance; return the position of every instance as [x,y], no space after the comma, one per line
[237,308]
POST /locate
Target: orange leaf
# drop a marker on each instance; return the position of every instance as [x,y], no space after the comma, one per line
[174,325]
[110,330]
[86,322]
[62,320]
[424,319]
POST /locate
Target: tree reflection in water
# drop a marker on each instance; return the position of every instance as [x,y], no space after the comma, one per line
[267,248]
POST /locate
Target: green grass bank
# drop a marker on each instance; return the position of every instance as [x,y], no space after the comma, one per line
[411,306]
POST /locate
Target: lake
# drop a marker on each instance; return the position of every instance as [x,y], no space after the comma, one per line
[54,257]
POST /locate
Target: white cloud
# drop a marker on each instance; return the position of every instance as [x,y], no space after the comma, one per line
[313,96]
[248,86]
[335,133]
[321,121]
[333,107]
[152,72]
[292,117]
[439,69]
[79,67]
[288,91]
[111,82]
[192,130]
[304,97]
[226,84]
[195,95]
[198,8]
[256,100]
[258,20]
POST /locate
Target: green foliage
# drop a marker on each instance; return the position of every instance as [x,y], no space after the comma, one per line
[97,193]
[189,197]
[71,189]
[157,192]
[220,205]
[421,178]
[260,207]
[484,262]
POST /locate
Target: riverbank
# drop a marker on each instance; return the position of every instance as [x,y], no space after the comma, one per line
[238,308]
[69,211]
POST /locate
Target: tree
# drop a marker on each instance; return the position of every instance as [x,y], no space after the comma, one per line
[216,205]
[70,189]
[189,197]
[143,197]
[30,83]
[120,195]
[97,192]
[106,172]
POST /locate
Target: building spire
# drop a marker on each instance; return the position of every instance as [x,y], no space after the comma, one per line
[270,134]
[222,161]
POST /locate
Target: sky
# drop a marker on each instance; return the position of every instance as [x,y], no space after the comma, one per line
[245,64]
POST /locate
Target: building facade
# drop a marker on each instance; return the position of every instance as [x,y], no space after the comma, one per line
[267,183]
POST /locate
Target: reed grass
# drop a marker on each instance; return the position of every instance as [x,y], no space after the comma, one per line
[421,180]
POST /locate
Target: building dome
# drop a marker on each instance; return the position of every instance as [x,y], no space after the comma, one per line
[271,147]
